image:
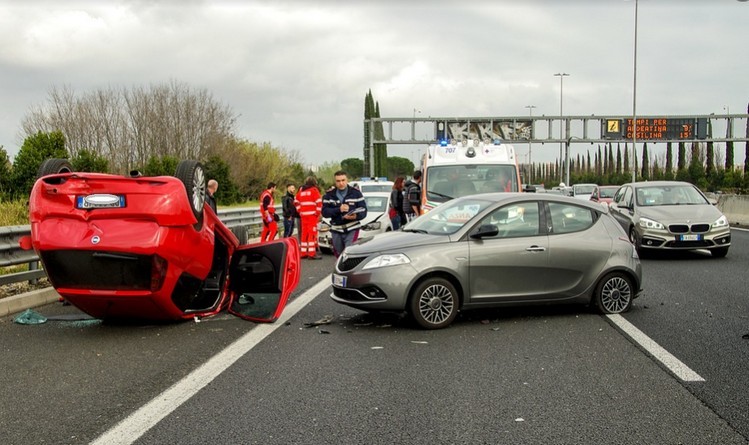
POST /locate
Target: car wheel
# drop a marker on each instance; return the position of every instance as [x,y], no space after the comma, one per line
[614,293]
[633,239]
[192,175]
[720,252]
[434,303]
[54,166]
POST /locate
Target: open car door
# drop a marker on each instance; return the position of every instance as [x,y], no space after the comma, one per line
[261,278]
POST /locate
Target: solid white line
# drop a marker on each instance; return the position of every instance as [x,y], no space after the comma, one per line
[681,370]
[136,424]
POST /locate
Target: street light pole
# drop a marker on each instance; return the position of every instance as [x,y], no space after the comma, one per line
[634,105]
[530,157]
[561,112]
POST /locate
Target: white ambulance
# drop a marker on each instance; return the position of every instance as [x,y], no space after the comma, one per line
[456,169]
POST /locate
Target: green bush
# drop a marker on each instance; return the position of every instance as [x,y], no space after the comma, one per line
[14,213]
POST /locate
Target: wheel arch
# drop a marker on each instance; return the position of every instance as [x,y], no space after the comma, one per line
[438,274]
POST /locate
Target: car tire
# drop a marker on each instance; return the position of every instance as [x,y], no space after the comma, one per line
[434,303]
[192,175]
[54,166]
[633,239]
[614,293]
[720,252]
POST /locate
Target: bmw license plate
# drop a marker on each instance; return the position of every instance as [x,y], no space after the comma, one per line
[339,280]
[695,237]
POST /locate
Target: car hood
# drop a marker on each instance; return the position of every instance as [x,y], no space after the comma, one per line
[372,216]
[393,241]
[679,213]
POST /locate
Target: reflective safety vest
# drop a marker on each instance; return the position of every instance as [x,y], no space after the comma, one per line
[271,210]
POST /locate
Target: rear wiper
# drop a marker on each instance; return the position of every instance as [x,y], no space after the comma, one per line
[415,231]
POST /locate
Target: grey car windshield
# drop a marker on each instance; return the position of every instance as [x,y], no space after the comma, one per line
[448,218]
[669,195]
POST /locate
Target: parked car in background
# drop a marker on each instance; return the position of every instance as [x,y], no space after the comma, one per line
[603,194]
[136,247]
[670,215]
[583,191]
[366,185]
[376,221]
[492,250]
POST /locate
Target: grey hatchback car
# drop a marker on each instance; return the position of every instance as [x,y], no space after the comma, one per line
[491,250]
[670,215]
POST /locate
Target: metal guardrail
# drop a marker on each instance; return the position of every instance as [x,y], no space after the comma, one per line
[11,253]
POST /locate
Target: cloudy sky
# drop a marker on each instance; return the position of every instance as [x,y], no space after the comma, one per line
[296,72]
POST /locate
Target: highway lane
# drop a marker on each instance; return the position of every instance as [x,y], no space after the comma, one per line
[697,308]
[561,374]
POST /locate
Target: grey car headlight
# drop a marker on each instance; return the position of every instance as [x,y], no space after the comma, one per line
[647,223]
[721,222]
[372,226]
[386,260]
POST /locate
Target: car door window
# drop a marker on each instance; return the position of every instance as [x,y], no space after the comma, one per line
[567,218]
[515,220]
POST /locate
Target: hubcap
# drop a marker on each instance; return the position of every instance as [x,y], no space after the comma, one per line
[436,304]
[198,185]
[616,295]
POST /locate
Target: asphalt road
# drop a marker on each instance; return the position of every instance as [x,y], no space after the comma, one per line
[525,375]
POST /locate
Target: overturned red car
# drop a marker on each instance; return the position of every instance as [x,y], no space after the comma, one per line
[137,247]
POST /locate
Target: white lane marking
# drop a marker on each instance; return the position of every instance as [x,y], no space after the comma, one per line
[675,365]
[136,424]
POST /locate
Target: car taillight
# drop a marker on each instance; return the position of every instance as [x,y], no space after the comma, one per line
[158,272]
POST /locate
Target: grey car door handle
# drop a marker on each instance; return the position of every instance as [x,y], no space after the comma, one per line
[536,249]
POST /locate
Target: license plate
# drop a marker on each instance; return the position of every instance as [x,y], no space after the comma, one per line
[690,237]
[100,201]
[339,280]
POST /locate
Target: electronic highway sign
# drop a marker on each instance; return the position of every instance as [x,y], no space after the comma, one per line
[655,129]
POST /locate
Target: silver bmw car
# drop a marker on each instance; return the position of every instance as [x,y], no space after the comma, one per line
[670,215]
[491,250]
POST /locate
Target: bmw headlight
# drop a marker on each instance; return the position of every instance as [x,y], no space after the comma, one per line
[721,222]
[647,223]
[373,226]
[387,260]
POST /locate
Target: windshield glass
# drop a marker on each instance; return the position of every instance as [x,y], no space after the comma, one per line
[584,189]
[445,182]
[376,203]
[607,192]
[669,195]
[448,218]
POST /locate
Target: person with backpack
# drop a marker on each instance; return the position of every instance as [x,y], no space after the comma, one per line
[412,196]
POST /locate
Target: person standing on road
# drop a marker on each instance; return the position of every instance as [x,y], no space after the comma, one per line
[412,196]
[397,216]
[268,213]
[345,206]
[308,204]
[209,196]
[289,210]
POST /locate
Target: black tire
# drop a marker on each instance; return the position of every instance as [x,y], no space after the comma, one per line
[633,239]
[434,303]
[614,293]
[720,252]
[54,166]
[241,233]
[192,175]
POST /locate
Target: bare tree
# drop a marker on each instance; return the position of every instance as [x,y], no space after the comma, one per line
[129,127]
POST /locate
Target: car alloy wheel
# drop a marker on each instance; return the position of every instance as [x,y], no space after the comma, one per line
[614,294]
[434,303]
[192,175]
